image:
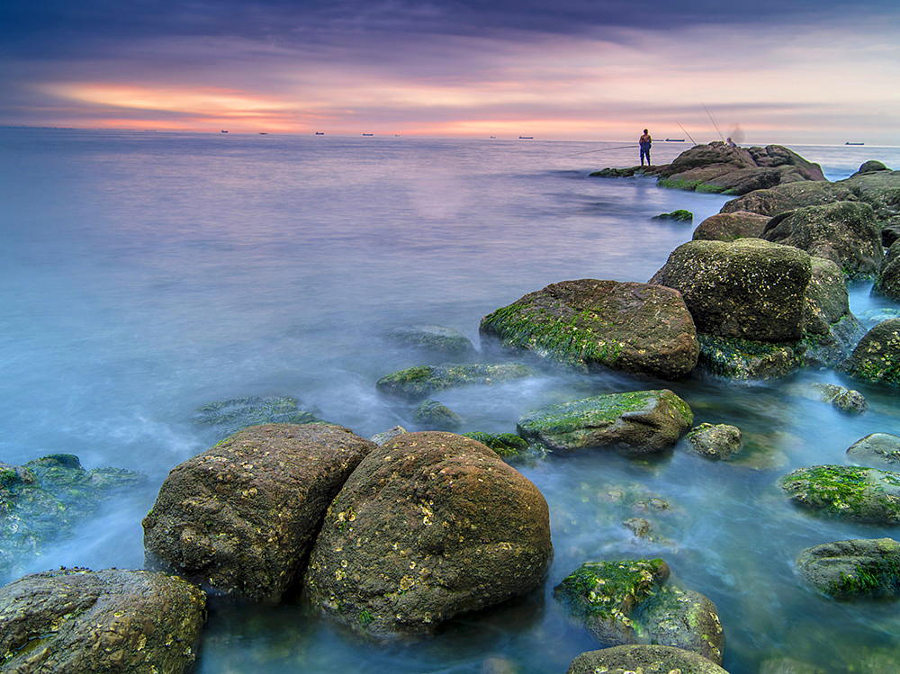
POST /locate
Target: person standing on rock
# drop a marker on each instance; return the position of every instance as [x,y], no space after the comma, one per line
[645,141]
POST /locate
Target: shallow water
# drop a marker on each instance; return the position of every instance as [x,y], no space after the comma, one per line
[143,275]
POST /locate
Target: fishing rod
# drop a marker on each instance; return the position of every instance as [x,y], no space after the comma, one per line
[709,114]
[602,149]
[686,132]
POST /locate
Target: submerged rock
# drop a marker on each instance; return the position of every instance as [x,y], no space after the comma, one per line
[636,423]
[679,215]
[747,359]
[434,339]
[43,501]
[633,327]
[876,358]
[846,492]
[507,445]
[717,441]
[643,658]
[844,399]
[731,226]
[419,382]
[78,620]
[242,516]
[853,569]
[844,232]
[389,434]
[628,601]
[429,525]
[229,416]
[436,416]
[878,448]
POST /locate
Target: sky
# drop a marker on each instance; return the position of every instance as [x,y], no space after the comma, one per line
[791,71]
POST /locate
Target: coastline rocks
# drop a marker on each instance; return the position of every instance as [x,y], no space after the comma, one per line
[415,383]
[746,359]
[869,166]
[716,442]
[635,423]
[789,197]
[844,399]
[389,434]
[679,215]
[879,448]
[644,658]
[731,226]
[888,281]
[507,445]
[429,525]
[628,601]
[433,339]
[433,415]
[844,232]
[876,358]
[229,416]
[858,568]
[831,331]
[242,516]
[879,189]
[846,492]
[633,327]
[78,620]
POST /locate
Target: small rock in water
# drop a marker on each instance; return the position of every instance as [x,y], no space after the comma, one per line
[237,413]
[507,445]
[639,526]
[717,441]
[643,658]
[876,358]
[415,383]
[846,492]
[878,448]
[844,399]
[434,339]
[680,215]
[435,416]
[853,569]
[391,433]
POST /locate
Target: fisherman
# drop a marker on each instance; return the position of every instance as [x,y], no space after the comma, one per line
[645,142]
[729,142]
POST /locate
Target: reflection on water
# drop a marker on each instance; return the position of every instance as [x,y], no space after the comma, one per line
[143,275]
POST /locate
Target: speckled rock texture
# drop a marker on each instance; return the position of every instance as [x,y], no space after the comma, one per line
[78,620]
[788,197]
[846,492]
[858,568]
[731,226]
[242,516]
[715,441]
[645,659]
[430,525]
[876,358]
[888,281]
[633,327]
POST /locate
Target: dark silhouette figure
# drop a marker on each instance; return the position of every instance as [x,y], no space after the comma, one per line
[645,142]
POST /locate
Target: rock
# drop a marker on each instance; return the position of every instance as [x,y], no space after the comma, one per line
[627,601]
[415,383]
[788,666]
[432,415]
[846,492]
[879,189]
[429,526]
[844,399]
[636,423]
[747,359]
[888,281]
[507,445]
[679,215]
[731,226]
[242,516]
[78,620]
[43,501]
[748,288]
[639,526]
[389,434]
[876,358]
[830,330]
[646,659]
[844,232]
[229,416]
[876,448]
[620,172]
[890,232]
[717,441]
[853,569]
[871,165]
[633,327]
[789,197]
[434,339]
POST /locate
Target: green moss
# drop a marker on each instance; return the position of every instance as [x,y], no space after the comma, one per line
[713,189]
[572,416]
[680,215]
[672,184]
[505,444]
[611,589]
[850,492]
[366,618]
[419,382]
[745,359]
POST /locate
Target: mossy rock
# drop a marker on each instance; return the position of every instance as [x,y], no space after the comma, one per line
[433,339]
[842,398]
[507,445]
[679,215]
[736,358]
[888,281]
[590,323]
[876,358]
[715,441]
[871,165]
[643,658]
[230,416]
[419,382]
[790,196]
[635,423]
[859,568]
[881,449]
[731,226]
[436,416]
[846,492]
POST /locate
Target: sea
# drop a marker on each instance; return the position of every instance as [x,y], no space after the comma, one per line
[143,275]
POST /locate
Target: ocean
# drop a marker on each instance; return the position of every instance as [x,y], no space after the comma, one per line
[143,275]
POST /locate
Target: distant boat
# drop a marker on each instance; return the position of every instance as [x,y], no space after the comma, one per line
[493,137]
[674,140]
[223,131]
[526,137]
[368,134]
[851,143]
[263,133]
[322,133]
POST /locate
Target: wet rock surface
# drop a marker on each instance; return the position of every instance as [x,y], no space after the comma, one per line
[880,449]
[888,281]
[715,441]
[859,568]
[229,416]
[435,340]
[436,416]
[646,659]
[846,492]
[876,358]
[844,399]
[415,383]
[731,226]
[507,445]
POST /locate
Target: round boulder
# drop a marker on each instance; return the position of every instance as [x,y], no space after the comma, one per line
[242,516]
[872,165]
[853,569]
[430,525]
[731,226]
[78,620]
[717,441]
[879,448]
[847,492]
[647,659]
[876,358]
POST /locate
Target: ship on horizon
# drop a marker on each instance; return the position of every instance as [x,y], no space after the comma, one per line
[849,142]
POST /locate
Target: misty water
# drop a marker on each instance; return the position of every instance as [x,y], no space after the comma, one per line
[146,274]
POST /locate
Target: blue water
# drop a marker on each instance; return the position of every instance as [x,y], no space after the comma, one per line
[142,275]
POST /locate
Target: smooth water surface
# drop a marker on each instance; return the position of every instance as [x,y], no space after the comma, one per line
[143,275]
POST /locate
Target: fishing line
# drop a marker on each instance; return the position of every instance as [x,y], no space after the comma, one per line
[709,114]
[602,149]
[685,131]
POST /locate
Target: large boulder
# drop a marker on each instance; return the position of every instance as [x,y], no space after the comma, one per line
[78,620]
[634,327]
[888,281]
[830,330]
[643,658]
[635,423]
[44,500]
[879,189]
[854,568]
[242,516]
[748,288]
[789,197]
[876,358]
[880,449]
[731,226]
[629,601]
[415,383]
[844,232]
[430,525]
[846,492]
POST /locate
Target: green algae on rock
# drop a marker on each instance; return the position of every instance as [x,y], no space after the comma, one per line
[846,492]
[876,358]
[78,620]
[231,415]
[679,215]
[434,339]
[747,359]
[888,281]
[507,445]
[636,422]
[844,399]
[731,226]
[589,323]
[643,658]
[419,382]
[858,568]
[436,416]
[429,525]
